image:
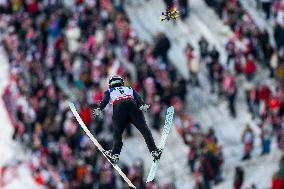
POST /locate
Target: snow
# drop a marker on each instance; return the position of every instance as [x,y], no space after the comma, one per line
[22,180]
[11,150]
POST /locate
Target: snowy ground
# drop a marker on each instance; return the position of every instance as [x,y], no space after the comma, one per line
[11,151]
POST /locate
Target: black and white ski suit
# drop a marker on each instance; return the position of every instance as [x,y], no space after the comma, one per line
[126,103]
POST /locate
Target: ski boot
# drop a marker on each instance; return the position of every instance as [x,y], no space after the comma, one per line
[112,157]
[157,154]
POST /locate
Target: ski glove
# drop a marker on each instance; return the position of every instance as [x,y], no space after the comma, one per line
[144,107]
[97,112]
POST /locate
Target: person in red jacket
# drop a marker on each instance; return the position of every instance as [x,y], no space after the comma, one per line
[86,114]
[250,68]
[278,179]
[274,105]
[239,177]
[277,183]
[264,93]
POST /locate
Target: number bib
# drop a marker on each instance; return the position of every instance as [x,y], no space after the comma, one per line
[120,93]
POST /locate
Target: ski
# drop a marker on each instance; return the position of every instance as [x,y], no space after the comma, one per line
[165,133]
[82,124]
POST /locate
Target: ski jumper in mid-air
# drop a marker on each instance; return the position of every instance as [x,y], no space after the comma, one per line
[127,108]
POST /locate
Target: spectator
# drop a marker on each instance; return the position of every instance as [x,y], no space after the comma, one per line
[266,6]
[203,47]
[279,28]
[184,9]
[86,114]
[248,141]
[192,157]
[248,87]
[193,64]
[274,63]
[216,159]
[264,93]
[266,48]
[214,54]
[230,90]
[4,6]
[205,155]
[239,61]
[169,185]
[239,177]
[266,137]
[250,68]
[231,50]
[206,169]
[253,186]
[156,108]
[215,70]
[169,3]
[254,101]
[278,178]
[161,48]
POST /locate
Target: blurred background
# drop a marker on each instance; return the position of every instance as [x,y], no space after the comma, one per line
[221,65]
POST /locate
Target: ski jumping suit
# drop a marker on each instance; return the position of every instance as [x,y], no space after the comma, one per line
[126,103]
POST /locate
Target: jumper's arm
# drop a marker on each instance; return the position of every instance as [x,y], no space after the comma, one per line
[105,100]
[138,98]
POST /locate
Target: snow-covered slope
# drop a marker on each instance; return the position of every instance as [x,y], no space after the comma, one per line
[10,150]
[202,21]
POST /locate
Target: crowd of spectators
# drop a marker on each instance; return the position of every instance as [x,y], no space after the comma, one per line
[250,51]
[48,43]
[205,157]
[221,80]
[53,49]
[274,10]
[270,8]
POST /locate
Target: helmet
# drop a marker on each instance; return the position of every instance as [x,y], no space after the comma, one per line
[115,81]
